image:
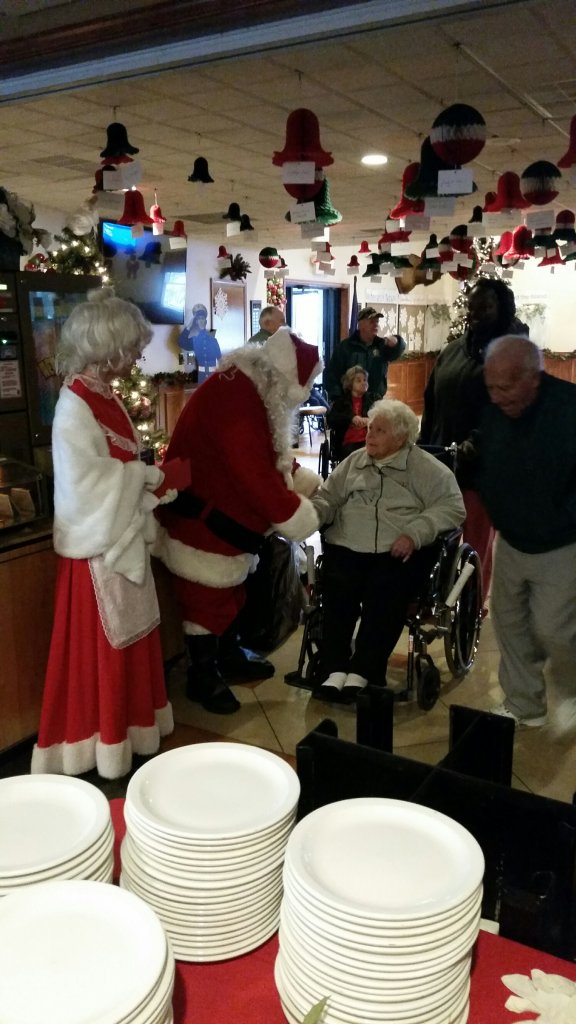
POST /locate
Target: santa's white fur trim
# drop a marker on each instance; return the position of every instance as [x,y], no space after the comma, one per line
[112,760]
[301,524]
[306,481]
[203,567]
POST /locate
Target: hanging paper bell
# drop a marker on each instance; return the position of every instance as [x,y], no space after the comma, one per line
[445,250]
[302,141]
[364,249]
[158,219]
[476,217]
[178,231]
[390,237]
[406,206]
[522,245]
[544,237]
[426,182]
[373,267]
[268,257]
[552,258]
[569,158]
[233,212]
[539,182]
[464,273]
[117,144]
[428,262]
[325,213]
[353,265]
[200,171]
[502,247]
[489,198]
[223,258]
[245,224]
[458,134]
[564,228]
[304,193]
[460,240]
[134,211]
[508,194]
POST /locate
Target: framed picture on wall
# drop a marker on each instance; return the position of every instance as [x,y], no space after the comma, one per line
[228,308]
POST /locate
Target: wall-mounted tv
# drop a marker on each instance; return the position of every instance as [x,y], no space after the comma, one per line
[146,270]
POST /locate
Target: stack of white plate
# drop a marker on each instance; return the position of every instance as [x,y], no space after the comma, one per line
[53,827]
[77,952]
[206,831]
[380,913]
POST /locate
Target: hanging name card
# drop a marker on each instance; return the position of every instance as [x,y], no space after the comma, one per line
[137,230]
[449,267]
[540,219]
[112,181]
[415,222]
[328,269]
[303,213]
[301,172]
[396,272]
[402,248]
[352,271]
[477,230]
[495,223]
[489,267]
[433,253]
[320,246]
[507,274]
[391,225]
[131,174]
[464,261]
[232,228]
[314,232]
[455,183]
[440,206]
[376,278]
[176,242]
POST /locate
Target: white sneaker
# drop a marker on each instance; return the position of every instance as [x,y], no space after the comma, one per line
[331,687]
[505,712]
[358,682]
[564,721]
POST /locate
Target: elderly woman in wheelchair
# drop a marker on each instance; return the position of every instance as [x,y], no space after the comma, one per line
[347,417]
[380,511]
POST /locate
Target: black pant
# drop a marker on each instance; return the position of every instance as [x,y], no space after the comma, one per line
[378,589]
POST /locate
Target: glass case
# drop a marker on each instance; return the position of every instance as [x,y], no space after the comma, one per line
[22,494]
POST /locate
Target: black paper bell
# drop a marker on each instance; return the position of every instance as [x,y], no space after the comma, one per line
[233,212]
[245,224]
[373,267]
[200,171]
[117,144]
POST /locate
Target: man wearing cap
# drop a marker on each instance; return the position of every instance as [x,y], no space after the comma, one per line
[234,431]
[271,318]
[364,348]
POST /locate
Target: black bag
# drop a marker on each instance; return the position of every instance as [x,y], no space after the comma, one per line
[274,597]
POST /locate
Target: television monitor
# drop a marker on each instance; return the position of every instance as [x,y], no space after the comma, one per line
[146,270]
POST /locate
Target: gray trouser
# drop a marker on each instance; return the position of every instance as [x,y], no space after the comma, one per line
[533,605]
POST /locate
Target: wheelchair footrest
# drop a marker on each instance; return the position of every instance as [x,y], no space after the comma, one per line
[295,679]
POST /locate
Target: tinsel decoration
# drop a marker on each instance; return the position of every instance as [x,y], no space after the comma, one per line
[238,269]
[139,394]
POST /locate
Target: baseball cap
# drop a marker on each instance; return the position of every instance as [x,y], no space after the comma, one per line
[369,313]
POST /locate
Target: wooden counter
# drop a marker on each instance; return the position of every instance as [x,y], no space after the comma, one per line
[407,379]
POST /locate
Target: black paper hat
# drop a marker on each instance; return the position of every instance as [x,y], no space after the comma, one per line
[117,144]
[233,212]
[200,171]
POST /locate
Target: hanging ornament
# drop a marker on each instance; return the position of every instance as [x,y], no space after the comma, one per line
[522,244]
[353,266]
[569,158]
[373,265]
[325,213]
[134,211]
[445,251]
[390,237]
[458,135]
[564,228]
[232,213]
[364,249]
[489,198]
[502,247]
[223,258]
[117,144]
[407,206]
[465,273]
[268,257]
[460,240]
[245,224]
[425,184]
[158,220]
[304,193]
[539,182]
[552,258]
[200,171]
[178,231]
[282,269]
[302,143]
[430,258]
[508,195]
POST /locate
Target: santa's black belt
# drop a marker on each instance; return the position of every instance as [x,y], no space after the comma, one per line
[190,507]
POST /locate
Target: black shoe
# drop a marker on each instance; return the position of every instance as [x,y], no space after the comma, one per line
[240,663]
[221,702]
[205,683]
[331,694]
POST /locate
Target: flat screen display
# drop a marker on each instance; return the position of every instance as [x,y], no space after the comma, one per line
[146,270]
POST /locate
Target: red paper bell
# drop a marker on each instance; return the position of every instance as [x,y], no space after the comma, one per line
[178,231]
[393,236]
[464,273]
[552,258]
[521,246]
[364,249]
[539,182]
[302,141]
[304,193]
[508,195]
[460,240]
[458,134]
[223,253]
[564,229]
[134,209]
[406,206]
[445,250]
[489,198]
[353,262]
[503,245]
[569,158]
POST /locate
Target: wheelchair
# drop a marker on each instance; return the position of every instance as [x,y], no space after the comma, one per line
[449,609]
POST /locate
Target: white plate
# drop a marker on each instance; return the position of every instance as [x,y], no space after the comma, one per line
[214,790]
[216,853]
[199,890]
[177,912]
[47,819]
[385,859]
[223,952]
[189,876]
[77,951]
[170,842]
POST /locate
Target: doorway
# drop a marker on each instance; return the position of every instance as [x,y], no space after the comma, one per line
[318,314]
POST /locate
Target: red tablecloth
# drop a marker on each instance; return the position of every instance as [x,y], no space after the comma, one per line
[242,991]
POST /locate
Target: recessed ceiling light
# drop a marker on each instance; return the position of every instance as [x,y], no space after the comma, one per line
[374,159]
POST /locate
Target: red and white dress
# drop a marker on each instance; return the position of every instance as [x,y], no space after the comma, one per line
[104,695]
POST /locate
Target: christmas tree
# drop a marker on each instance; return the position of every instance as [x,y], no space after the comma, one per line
[139,395]
[459,311]
[77,254]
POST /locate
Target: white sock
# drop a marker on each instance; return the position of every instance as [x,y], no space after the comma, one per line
[336,680]
[358,682]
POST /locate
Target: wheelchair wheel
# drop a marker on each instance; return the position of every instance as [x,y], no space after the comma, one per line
[461,641]
[427,684]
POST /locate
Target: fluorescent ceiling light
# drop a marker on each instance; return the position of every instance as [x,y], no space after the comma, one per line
[374,159]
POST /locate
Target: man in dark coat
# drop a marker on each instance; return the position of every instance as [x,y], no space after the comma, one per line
[364,348]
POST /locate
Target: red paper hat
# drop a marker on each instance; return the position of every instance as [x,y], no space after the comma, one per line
[564,229]
[302,140]
[458,134]
[364,249]
[459,239]
[522,246]
[508,195]
[489,198]
[426,182]
[405,205]
[539,182]
[268,257]
[569,158]
[134,210]
[552,258]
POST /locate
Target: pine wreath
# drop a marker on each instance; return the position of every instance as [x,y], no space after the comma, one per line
[237,270]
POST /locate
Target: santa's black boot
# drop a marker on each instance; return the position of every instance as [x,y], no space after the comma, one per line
[205,683]
[240,663]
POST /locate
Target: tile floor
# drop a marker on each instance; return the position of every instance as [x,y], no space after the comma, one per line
[276,716]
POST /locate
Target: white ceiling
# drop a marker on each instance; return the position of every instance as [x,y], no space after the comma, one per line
[374,90]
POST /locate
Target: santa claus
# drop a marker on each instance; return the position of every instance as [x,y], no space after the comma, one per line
[235,430]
